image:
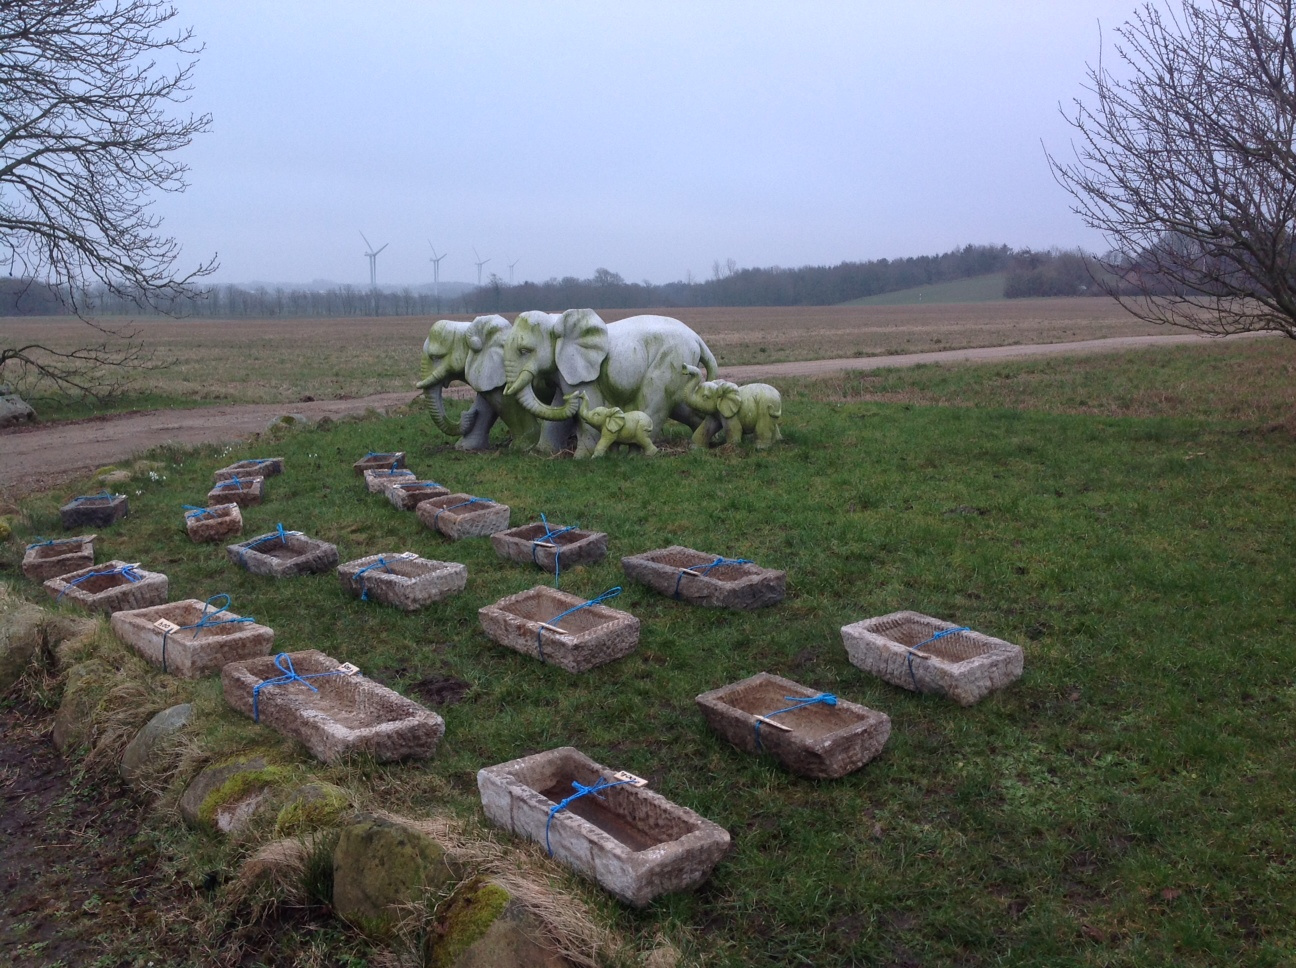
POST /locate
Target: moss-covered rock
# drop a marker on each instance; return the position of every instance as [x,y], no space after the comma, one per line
[312,807]
[484,926]
[83,687]
[224,797]
[20,640]
[380,865]
[146,755]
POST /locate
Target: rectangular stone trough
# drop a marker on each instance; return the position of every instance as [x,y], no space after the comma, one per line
[58,556]
[409,494]
[164,635]
[632,842]
[377,480]
[694,577]
[961,665]
[460,516]
[404,580]
[283,556]
[110,587]
[343,714]
[94,511]
[377,462]
[528,545]
[820,741]
[214,523]
[246,492]
[257,467]
[590,637]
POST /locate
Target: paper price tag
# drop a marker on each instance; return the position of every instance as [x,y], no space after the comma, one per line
[347,669]
[629,778]
[408,555]
[165,627]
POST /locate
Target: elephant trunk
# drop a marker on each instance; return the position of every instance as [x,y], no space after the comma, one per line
[437,410]
[531,403]
[434,376]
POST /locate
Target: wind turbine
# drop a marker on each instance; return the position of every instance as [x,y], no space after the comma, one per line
[480,262]
[511,265]
[373,262]
[436,272]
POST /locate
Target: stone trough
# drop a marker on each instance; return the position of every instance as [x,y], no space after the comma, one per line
[94,511]
[214,523]
[403,580]
[822,740]
[258,467]
[330,708]
[590,635]
[110,587]
[246,492]
[190,638]
[550,546]
[408,495]
[58,556]
[283,554]
[708,580]
[377,462]
[460,516]
[378,480]
[632,842]
[926,654]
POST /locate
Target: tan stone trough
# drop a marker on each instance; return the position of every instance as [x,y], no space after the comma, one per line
[377,481]
[214,523]
[632,842]
[58,556]
[330,708]
[926,654]
[404,580]
[550,546]
[246,492]
[375,462]
[283,554]
[560,628]
[407,495]
[460,516]
[256,467]
[709,580]
[811,733]
[190,638]
[110,587]
[94,511]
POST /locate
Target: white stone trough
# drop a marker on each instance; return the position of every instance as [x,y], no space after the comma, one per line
[703,579]
[190,638]
[550,546]
[560,628]
[632,842]
[403,580]
[811,733]
[926,654]
[283,554]
[256,467]
[94,511]
[58,556]
[376,462]
[460,516]
[377,480]
[407,496]
[214,523]
[110,587]
[246,492]
[331,708]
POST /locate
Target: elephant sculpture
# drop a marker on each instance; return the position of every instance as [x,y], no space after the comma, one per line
[474,353]
[754,408]
[634,364]
[618,427]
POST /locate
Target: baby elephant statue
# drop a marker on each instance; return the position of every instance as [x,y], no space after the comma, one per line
[618,427]
[754,408]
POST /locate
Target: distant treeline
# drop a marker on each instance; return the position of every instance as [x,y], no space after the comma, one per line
[1027,273]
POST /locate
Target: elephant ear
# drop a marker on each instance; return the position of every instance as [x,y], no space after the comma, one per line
[485,367]
[616,421]
[582,346]
[728,402]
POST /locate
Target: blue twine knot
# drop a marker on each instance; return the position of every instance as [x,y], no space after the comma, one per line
[283,661]
[94,497]
[909,657]
[798,702]
[462,504]
[364,591]
[279,533]
[550,533]
[581,791]
[205,621]
[234,481]
[126,571]
[196,512]
[719,562]
[610,593]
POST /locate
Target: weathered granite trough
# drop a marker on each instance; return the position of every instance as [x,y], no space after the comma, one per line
[811,733]
[926,654]
[632,842]
[708,580]
[463,516]
[94,511]
[586,635]
[407,495]
[330,707]
[283,554]
[58,556]
[110,587]
[246,492]
[258,467]
[377,481]
[404,580]
[550,547]
[190,638]
[213,523]
[377,462]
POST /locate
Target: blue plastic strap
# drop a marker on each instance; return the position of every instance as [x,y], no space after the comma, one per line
[42,542]
[550,533]
[798,702]
[234,481]
[93,497]
[581,791]
[196,512]
[364,591]
[283,661]
[126,571]
[719,562]
[610,593]
[913,649]
[462,504]
[279,533]
[205,621]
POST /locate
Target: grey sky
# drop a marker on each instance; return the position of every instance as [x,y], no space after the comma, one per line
[651,138]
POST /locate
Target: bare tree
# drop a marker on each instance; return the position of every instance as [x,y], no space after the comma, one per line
[89,123]
[1185,160]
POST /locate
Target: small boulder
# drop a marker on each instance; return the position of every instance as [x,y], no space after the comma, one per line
[145,755]
[484,926]
[312,807]
[75,716]
[380,865]
[20,640]
[225,797]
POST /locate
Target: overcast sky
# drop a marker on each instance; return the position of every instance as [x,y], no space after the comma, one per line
[649,137]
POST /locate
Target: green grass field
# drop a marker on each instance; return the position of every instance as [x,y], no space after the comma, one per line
[1127,802]
[987,288]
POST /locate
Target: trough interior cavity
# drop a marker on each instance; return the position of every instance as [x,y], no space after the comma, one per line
[402,567]
[534,532]
[808,722]
[693,559]
[417,489]
[94,502]
[214,514]
[958,647]
[229,487]
[282,552]
[46,552]
[449,501]
[100,583]
[543,605]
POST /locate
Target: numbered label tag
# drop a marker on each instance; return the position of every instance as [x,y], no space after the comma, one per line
[165,627]
[629,778]
[408,555]
[347,669]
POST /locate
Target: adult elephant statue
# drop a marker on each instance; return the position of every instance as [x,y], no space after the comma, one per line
[473,352]
[634,364]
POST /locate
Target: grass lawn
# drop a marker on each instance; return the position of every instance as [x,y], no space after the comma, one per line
[1127,802]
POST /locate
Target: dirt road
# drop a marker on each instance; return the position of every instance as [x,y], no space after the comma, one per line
[41,457]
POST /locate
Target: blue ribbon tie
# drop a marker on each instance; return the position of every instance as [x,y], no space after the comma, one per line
[798,702]
[283,661]
[719,562]
[913,649]
[364,591]
[205,621]
[610,593]
[462,504]
[126,571]
[550,533]
[581,791]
